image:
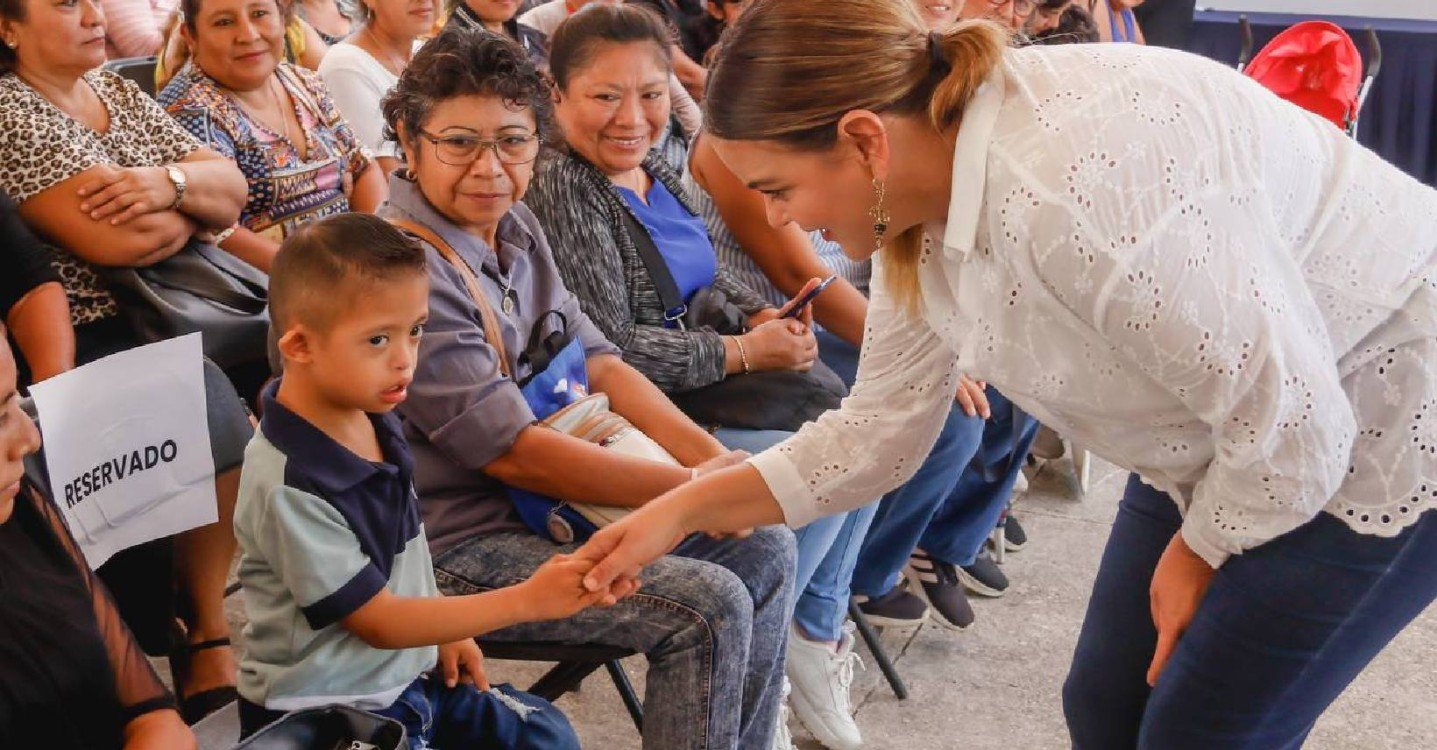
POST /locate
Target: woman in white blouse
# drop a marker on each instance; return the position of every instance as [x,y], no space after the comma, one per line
[1155,256]
[360,70]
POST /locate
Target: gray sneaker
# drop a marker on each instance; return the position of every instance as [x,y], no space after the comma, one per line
[984,577]
[898,608]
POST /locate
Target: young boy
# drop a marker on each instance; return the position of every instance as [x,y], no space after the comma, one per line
[339,588]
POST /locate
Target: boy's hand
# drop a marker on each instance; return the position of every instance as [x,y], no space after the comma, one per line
[556,590]
[462,661]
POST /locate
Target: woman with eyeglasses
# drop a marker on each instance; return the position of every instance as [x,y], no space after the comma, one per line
[1239,310]
[940,14]
[469,113]
[1011,13]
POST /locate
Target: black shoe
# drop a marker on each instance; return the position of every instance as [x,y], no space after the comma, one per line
[195,707]
[896,609]
[984,577]
[937,582]
[1014,537]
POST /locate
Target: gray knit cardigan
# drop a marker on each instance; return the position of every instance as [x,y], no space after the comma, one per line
[580,211]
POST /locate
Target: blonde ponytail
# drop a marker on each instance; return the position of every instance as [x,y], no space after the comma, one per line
[971,50]
[789,70]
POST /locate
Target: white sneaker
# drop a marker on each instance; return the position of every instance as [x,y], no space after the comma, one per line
[782,738]
[821,680]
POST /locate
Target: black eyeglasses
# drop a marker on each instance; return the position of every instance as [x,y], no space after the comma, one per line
[460,150]
[1021,8]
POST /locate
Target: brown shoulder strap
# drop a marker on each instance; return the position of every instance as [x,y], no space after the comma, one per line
[493,332]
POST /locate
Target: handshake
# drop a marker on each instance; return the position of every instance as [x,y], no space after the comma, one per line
[558,588]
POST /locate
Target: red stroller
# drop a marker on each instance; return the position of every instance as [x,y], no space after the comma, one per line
[1316,66]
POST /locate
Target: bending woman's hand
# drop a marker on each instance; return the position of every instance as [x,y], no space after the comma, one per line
[1179,584]
[726,501]
[621,549]
[973,397]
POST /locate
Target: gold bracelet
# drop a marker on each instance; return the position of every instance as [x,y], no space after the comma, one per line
[742,355]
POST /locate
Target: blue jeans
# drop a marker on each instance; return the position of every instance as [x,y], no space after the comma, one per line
[827,549]
[442,717]
[956,532]
[945,508]
[457,717]
[712,619]
[1282,630]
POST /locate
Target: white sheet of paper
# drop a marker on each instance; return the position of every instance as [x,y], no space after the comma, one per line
[127,446]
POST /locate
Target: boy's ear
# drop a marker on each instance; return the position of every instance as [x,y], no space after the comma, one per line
[296,345]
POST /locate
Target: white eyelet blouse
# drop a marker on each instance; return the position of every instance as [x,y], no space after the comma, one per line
[1194,279]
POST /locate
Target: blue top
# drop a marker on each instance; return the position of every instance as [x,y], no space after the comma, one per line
[680,236]
[1129,31]
[321,533]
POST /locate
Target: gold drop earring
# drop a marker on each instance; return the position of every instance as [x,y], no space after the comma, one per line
[879,214]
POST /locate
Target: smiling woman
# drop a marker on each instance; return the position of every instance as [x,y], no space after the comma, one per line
[498,16]
[107,179]
[1275,534]
[359,70]
[469,112]
[300,157]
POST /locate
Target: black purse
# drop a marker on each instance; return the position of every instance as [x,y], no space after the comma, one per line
[200,289]
[770,400]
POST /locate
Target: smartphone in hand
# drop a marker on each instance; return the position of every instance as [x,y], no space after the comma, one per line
[796,308]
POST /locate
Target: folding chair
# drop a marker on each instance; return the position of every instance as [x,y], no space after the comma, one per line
[875,647]
[574,664]
[141,70]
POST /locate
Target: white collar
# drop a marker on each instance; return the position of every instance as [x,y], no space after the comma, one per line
[970,166]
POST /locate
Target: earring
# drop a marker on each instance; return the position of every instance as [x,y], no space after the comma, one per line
[879,214]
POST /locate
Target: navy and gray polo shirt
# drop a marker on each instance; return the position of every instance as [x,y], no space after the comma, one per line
[321,532]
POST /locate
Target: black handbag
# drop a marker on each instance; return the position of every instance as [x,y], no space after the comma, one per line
[769,400]
[329,728]
[200,289]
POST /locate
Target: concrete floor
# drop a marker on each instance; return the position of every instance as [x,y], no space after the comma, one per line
[996,685]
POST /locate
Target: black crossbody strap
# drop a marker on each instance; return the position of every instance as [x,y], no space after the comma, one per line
[668,289]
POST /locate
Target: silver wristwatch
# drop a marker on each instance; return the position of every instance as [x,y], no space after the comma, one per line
[179,180]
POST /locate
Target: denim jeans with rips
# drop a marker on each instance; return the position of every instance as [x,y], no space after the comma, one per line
[712,619]
[504,718]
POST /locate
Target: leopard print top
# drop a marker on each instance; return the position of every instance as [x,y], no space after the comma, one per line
[41,146]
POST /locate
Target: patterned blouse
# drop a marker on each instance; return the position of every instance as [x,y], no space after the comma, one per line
[41,146]
[285,189]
